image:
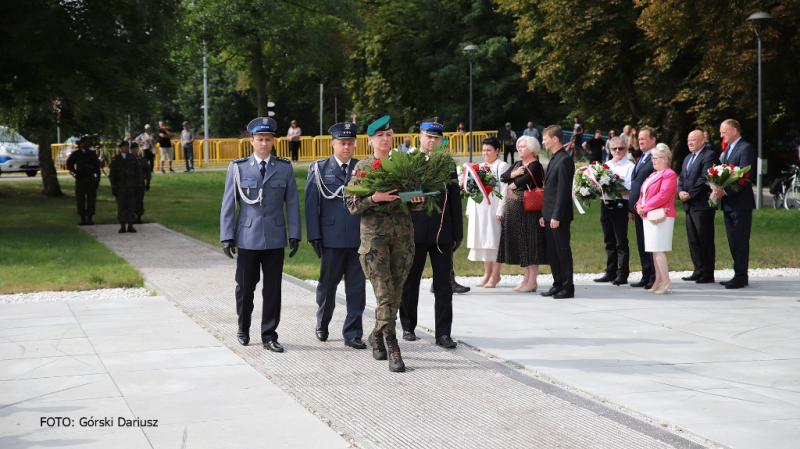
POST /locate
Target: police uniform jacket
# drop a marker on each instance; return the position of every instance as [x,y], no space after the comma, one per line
[328,219]
[84,164]
[426,227]
[260,226]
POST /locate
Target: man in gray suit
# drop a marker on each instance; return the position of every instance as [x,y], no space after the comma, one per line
[261,185]
[335,235]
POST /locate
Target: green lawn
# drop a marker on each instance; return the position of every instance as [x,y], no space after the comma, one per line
[44,249]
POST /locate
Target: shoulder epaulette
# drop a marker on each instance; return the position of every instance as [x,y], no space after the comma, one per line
[278,158]
[241,159]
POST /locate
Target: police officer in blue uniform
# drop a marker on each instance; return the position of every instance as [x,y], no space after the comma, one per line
[335,235]
[437,235]
[260,185]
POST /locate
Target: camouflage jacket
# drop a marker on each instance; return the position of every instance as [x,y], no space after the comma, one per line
[144,172]
[84,164]
[125,173]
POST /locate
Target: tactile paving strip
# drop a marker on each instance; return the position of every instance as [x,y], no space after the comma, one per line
[445,399]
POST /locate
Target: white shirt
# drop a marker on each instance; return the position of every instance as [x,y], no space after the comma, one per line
[623,168]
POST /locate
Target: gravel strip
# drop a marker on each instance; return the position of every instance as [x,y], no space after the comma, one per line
[105,293]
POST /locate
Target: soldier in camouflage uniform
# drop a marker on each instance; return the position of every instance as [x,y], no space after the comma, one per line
[124,177]
[387,249]
[143,183]
[85,167]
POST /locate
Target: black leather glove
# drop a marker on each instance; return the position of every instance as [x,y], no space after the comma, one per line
[294,244]
[317,245]
[456,244]
[228,248]
[147,187]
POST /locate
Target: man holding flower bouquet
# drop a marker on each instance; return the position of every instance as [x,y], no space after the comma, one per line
[436,235]
[737,204]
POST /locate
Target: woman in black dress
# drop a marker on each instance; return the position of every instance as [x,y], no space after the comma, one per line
[522,240]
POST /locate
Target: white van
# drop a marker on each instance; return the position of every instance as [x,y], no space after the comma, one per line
[17,153]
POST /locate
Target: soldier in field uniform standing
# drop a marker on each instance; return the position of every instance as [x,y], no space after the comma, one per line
[124,176]
[143,183]
[85,167]
[387,249]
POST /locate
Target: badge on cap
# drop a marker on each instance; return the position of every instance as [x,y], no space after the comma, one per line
[344,130]
[382,124]
[431,126]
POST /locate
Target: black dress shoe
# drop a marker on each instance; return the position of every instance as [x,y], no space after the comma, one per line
[605,278]
[734,280]
[273,346]
[244,338]
[322,334]
[355,343]
[620,280]
[649,285]
[705,281]
[564,294]
[458,288]
[734,284]
[551,292]
[692,277]
[446,342]
[639,284]
[409,336]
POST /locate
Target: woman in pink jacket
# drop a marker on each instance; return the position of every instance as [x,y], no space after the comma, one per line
[658,194]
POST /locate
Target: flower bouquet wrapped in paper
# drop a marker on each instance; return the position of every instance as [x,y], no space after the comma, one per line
[724,176]
[412,174]
[478,182]
[594,181]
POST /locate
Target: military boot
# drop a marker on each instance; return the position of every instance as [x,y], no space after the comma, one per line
[455,286]
[122,228]
[83,222]
[130,227]
[139,219]
[396,364]
[378,347]
[89,220]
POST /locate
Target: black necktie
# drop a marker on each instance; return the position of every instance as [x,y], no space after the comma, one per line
[263,169]
[344,169]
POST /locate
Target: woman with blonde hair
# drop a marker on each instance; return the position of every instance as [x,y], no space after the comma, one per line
[656,206]
[522,239]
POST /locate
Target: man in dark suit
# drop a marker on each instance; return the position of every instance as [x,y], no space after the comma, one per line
[335,236]
[693,190]
[437,235]
[737,207]
[557,213]
[261,185]
[642,170]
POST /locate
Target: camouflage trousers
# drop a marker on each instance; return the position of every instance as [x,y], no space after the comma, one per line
[126,199]
[386,260]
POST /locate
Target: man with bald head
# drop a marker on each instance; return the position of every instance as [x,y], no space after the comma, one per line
[694,192]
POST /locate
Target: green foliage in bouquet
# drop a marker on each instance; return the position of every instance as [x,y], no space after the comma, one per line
[407,172]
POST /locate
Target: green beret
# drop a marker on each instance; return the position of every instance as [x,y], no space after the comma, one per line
[382,124]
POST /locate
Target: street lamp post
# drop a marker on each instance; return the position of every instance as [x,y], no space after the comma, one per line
[470,49]
[757,19]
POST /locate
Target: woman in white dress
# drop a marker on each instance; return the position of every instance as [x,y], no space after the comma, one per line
[485,220]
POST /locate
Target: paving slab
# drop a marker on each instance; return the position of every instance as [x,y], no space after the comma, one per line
[460,398]
[137,358]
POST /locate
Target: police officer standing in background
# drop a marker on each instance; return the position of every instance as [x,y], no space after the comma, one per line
[437,235]
[334,233]
[124,177]
[84,166]
[261,185]
[142,183]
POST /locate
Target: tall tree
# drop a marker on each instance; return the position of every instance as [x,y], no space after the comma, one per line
[85,53]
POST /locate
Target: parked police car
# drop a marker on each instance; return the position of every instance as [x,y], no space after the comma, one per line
[17,153]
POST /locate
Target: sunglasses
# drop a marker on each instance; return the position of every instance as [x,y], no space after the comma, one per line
[617,148]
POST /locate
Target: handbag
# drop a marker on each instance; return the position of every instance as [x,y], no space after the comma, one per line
[533,199]
[656,216]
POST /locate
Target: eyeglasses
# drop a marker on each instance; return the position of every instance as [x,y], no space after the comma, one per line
[617,148]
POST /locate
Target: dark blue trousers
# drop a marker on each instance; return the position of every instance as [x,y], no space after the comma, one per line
[648,268]
[335,264]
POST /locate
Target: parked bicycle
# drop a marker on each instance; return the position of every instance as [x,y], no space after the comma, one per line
[786,189]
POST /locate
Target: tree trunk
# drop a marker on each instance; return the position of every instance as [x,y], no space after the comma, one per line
[258,76]
[46,165]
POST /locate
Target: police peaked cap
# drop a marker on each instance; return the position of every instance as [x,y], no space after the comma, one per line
[344,130]
[382,124]
[262,125]
[85,138]
[431,126]
[123,143]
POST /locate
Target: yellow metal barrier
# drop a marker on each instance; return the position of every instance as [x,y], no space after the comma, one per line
[222,151]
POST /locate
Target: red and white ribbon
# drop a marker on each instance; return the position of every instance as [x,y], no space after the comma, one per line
[590,175]
[469,170]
